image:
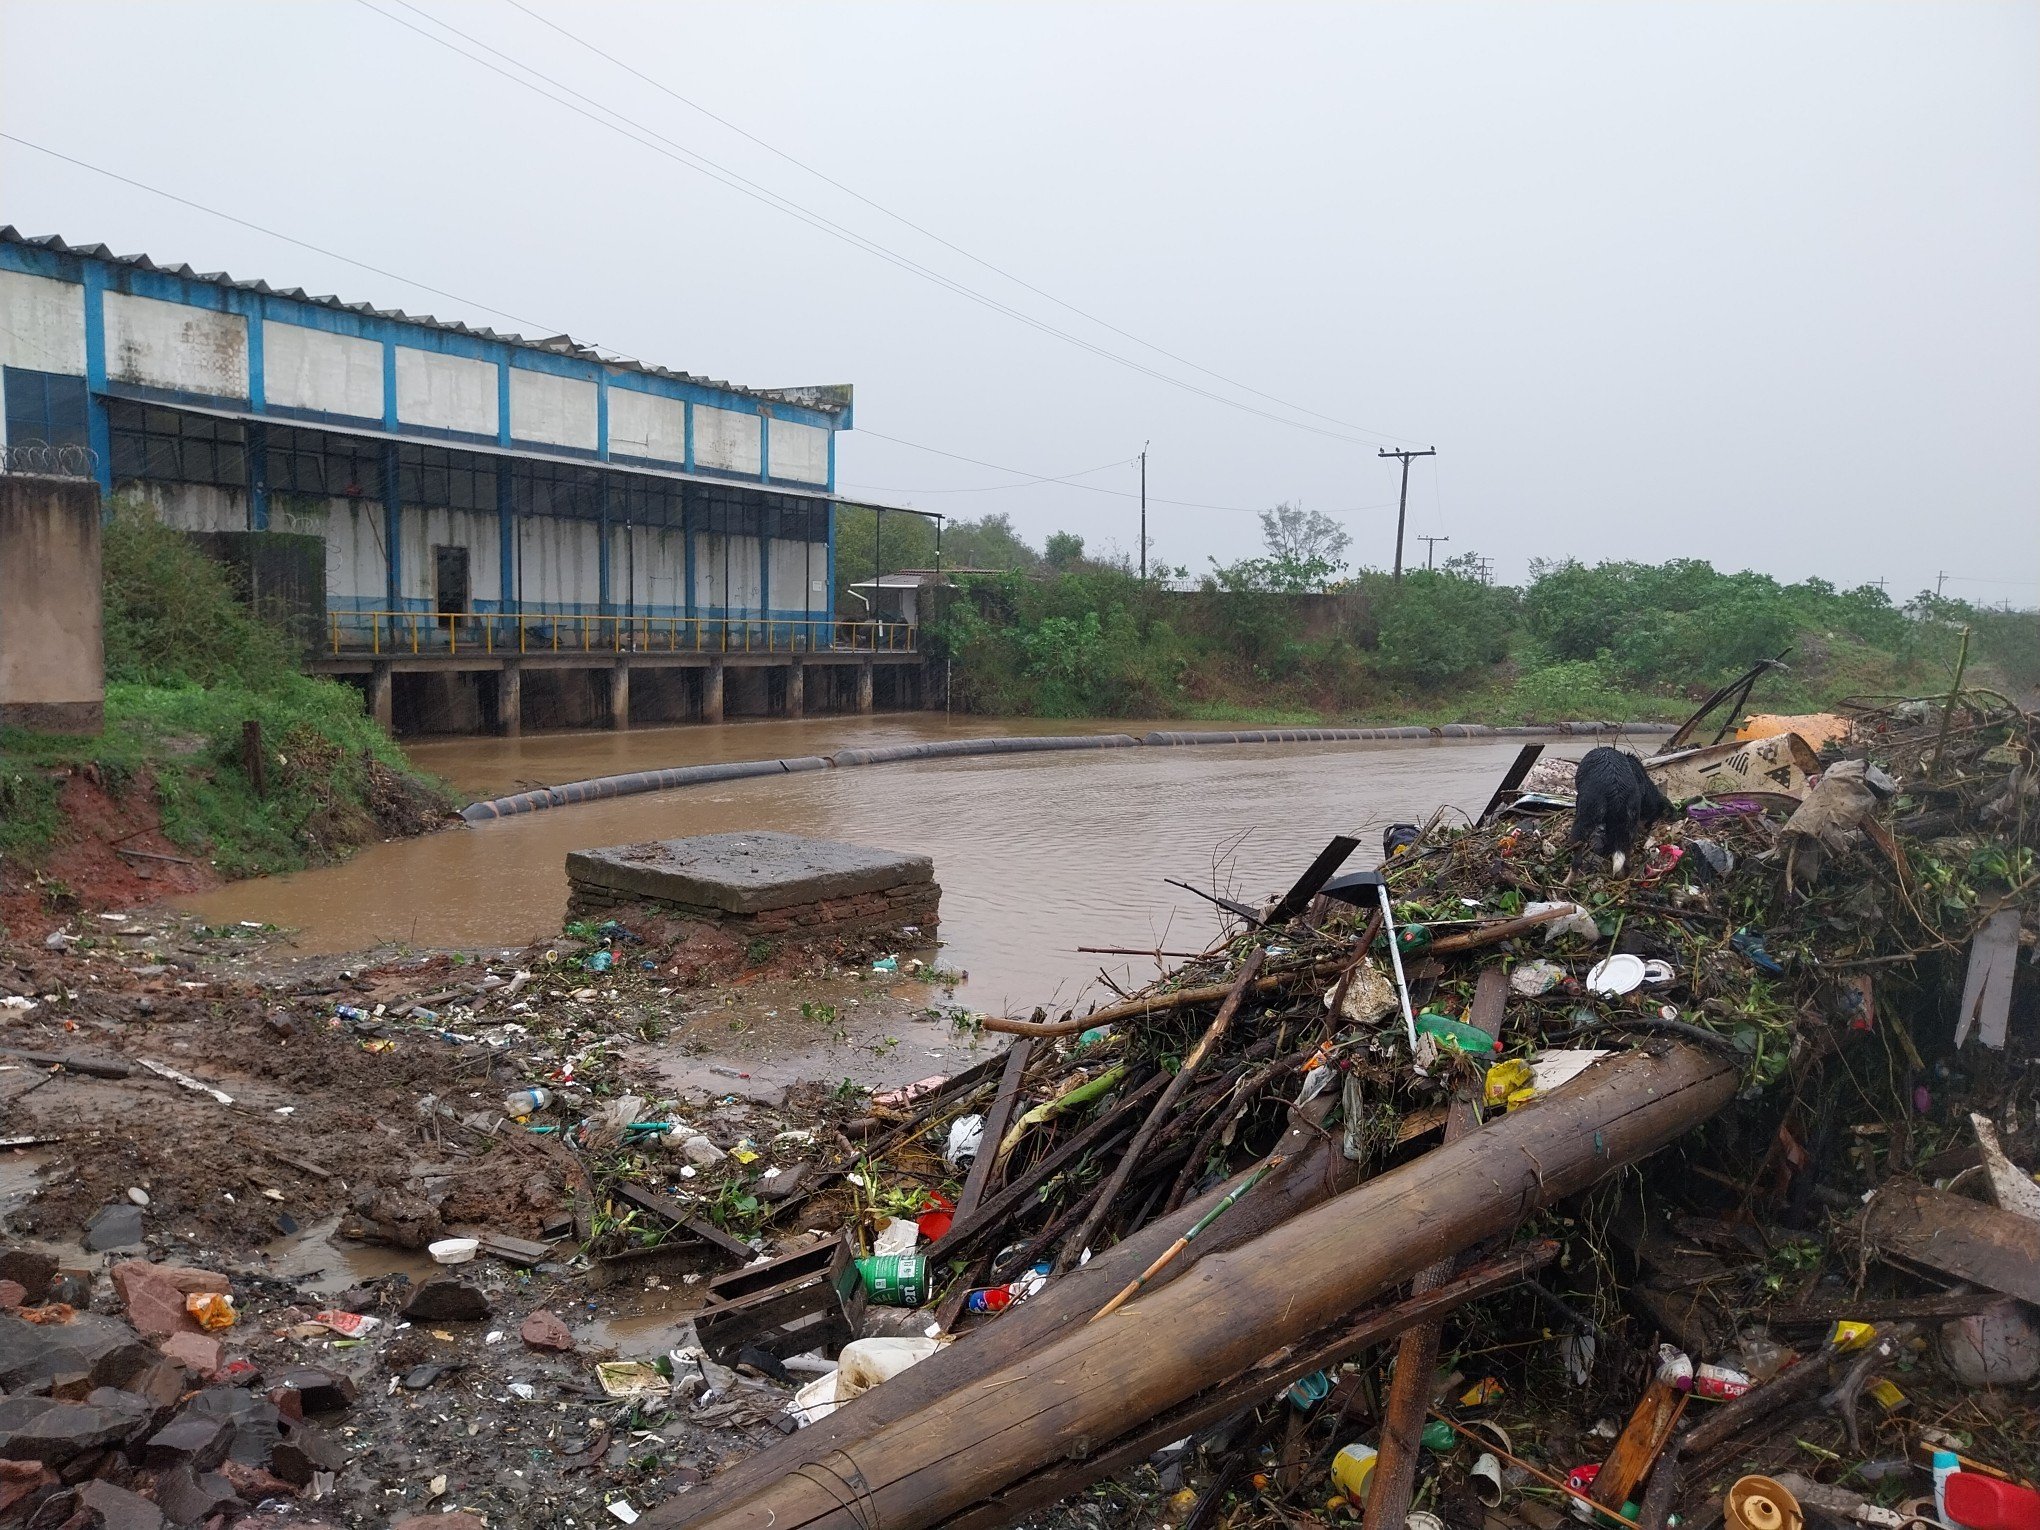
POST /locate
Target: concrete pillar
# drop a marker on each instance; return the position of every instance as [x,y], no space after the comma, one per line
[380,689]
[864,686]
[796,690]
[711,692]
[510,698]
[619,694]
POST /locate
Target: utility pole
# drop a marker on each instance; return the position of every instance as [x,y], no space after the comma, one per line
[1430,549]
[1403,505]
[1143,512]
[1939,580]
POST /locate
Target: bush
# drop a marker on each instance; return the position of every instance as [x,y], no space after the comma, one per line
[1436,628]
[171,613]
[1572,691]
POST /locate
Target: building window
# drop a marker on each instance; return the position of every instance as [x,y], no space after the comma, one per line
[44,408]
[548,488]
[434,478]
[644,501]
[173,447]
[323,466]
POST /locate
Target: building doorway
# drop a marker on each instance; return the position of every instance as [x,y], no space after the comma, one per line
[450,592]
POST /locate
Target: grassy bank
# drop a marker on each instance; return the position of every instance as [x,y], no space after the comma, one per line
[188,668]
[1628,641]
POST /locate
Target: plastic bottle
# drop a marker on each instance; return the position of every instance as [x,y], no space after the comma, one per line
[350,1012]
[1945,1466]
[527,1102]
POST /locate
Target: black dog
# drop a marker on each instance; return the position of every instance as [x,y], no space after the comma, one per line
[1617,802]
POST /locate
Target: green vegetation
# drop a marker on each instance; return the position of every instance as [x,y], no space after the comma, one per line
[188,667]
[1284,639]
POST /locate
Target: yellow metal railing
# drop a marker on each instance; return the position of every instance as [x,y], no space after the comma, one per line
[453,633]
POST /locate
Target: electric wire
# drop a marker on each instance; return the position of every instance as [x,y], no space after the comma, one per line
[658,143]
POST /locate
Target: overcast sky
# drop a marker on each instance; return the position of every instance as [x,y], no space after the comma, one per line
[1757,283]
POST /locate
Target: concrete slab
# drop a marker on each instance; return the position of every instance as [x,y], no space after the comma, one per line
[746,874]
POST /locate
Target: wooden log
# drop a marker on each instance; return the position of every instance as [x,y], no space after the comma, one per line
[1315,1170]
[1416,1358]
[1088,1385]
[1321,1352]
[1956,1236]
[1155,1004]
[1144,1138]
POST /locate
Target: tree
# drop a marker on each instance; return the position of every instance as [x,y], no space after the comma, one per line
[1065,550]
[1300,537]
[989,542]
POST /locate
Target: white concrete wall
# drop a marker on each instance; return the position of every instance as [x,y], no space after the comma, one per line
[725,439]
[562,562]
[313,369]
[42,324]
[194,506]
[646,425]
[790,577]
[154,344]
[352,529]
[476,530]
[656,578]
[446,392]
[559,411]
[743,594]
[800,452]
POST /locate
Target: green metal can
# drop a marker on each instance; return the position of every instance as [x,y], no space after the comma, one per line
[895,1280]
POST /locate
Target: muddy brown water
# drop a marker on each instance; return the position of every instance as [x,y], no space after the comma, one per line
[1037,854]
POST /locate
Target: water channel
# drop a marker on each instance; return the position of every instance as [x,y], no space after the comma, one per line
[1037,854]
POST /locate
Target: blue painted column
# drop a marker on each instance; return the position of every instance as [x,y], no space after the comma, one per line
[829,594]
[506,539]
[393,522]
[258,435]
[98,429]
[602,596]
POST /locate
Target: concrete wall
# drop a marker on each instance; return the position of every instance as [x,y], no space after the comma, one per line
[562,563]
[646,425]
[312,369]
[154,344]
[193,506]
[726,439]
[356,578]
[791,562]
[42,324]
[800,453]
[52,648]
[444,392]
[743,593]
[555,411]
[477,530]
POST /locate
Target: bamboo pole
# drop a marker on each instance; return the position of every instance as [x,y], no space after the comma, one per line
[1093,1382]
[1155,1004]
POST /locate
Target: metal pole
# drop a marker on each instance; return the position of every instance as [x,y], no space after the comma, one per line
[1143,510]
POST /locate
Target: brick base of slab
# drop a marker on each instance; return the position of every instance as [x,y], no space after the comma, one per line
[867,913]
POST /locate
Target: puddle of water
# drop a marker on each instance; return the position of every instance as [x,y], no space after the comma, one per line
[648,1322]
[325,1267]
[20,1171]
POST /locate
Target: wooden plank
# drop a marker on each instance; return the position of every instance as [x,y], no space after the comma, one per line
[1519,769]
[1416,1358]
[680,1216]
[979,1180]
[1987,990]
[1838,1309]
[1639,1445]
[1956,1236]
[518,1251]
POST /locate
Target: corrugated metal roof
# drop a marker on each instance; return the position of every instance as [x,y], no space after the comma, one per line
[828,399]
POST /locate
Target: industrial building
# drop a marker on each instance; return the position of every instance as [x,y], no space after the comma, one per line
[506,527]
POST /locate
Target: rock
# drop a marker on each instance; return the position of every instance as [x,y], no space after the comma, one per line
[197,1440]
[145,1416]
[153,1303]
[116,1226]
[160,1383]
[254,1484]
[257,1423]
[446,1301]
[459,1519]
[43,1429]
[544,1331]
[198,1352]
[318,1391]
[32,1353]
[305,1450]
[32,1269]
[191,1497]
[12,1293]
[23,1482]
[118,1509]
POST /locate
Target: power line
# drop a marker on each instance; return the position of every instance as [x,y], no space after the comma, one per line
[993,488]
[630,128]
[303,244]
[918,228]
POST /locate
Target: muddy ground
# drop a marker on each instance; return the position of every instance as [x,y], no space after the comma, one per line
[365,1117]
